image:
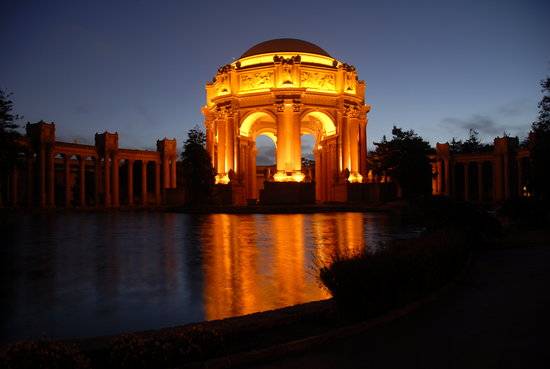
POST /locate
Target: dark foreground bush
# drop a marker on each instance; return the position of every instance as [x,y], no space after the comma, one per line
[403,270]
[42,354]
[525,212]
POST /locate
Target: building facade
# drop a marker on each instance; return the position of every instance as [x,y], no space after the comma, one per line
[53,173]
[283,89]
[493,176]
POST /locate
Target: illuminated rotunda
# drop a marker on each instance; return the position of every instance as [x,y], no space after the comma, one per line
[283,89]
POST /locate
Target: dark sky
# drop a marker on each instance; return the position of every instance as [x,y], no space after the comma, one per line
[139,67]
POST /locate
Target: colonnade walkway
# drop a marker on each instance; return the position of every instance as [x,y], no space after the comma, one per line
[496,316]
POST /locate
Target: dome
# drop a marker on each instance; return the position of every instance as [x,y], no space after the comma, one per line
[284,45]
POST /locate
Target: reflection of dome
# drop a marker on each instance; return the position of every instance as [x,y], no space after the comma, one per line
[284,45]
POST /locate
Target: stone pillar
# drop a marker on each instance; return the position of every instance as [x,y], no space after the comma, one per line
[466,182]
[230,141]
[130,190]
[157,182]
[252,169]
[97,179]
[107,181]
[506,177]
[30,179]
[289,150]
[480,180]
[42,176]
[439,177]
[447,177]
[67,180]
[520,177]
[318,184]
[173,183]
[363,149]
[165,172]
[220,167]
[144,182]
[51,179]
[82,177]
[116,183]
[354,145]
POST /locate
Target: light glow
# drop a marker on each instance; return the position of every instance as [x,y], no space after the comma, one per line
[282,176]
[221,178]
[355,178]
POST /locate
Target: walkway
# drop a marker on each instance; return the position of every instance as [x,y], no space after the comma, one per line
[496,317]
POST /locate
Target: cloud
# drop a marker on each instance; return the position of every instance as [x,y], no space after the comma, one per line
[265,155]
[516,108]
[481,123]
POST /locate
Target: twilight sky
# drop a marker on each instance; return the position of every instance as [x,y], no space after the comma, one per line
[139,67]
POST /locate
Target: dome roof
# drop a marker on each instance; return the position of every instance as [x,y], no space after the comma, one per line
[284,45]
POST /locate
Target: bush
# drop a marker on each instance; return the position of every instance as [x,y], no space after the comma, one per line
[168,349]
[42,354]
[525,211]
[403,270]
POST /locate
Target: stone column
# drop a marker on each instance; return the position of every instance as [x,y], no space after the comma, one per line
[520,177]
[165,172]
[318,166]
[480,180]
[253,194]
[107,181]
[42,176]
[354,145]
[67,180]
[289,150]
[157,182]
[506,177]
[230,141]
[466,182]
[30,179]
[130,191]
[447,177]
[116,183]
[82,172]
[173,183]
[363,149]
[51,177]
[221,149]
[97,180]
[144,182]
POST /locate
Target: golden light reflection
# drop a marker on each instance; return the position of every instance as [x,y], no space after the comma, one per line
[262,262]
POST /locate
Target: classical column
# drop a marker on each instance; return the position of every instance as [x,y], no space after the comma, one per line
[165,172]
[520,176]
[42,177]
[173,182]
[107,181]
[82,177]
[363,149]
[144,182]
[51,178]
[230,141]
[116,182]
[130,191]
[506,177]
[67,180]
[157,182]
[97,179]
[253,194]
[447,177]
[30,179]
[288,138]
[354,144]
[318,166]
[439,177]
[221,149]
[466,182]
[480,181]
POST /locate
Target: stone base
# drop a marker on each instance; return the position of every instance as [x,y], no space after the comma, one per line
[365,192]
[281,193]
[229,194]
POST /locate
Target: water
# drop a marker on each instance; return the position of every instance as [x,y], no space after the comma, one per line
[87,274]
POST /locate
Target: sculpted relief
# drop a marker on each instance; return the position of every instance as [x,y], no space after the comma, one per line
[317,80]
[255,81]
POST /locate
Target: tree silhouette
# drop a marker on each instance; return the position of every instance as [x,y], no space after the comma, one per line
[9,139]
[197,169]
[405,159]
[539,145]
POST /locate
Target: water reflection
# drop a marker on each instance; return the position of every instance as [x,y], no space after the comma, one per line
[84,274]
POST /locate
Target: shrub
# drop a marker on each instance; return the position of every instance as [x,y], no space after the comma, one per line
[367,284]
[42,354]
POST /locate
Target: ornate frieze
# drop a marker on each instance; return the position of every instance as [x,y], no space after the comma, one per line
[257,80]
[318,80]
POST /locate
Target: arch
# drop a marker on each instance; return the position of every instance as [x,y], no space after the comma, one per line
[247,123]
[327,122]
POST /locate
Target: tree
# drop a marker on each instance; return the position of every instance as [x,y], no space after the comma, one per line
[9,138]
[405,159]
[539,145]
[472,144]
[198,172]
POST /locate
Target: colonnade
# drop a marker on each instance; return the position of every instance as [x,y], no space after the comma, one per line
[59,173]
